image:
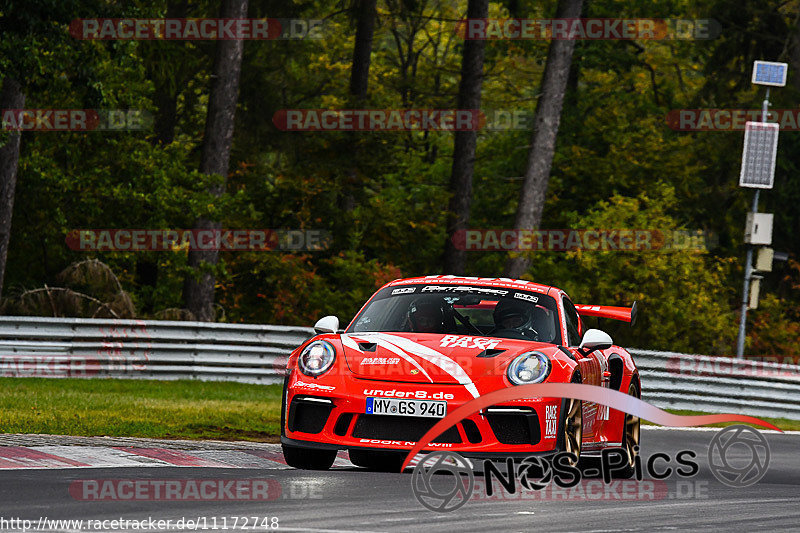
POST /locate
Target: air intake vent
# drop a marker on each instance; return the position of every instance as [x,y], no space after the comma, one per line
[308,414]
[490,352]
[514,427]
[342,424]
[471,431]
[400,428]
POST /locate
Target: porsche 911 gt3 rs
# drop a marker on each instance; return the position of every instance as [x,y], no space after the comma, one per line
[422,347]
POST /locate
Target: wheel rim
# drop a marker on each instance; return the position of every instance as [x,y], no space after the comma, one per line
[632,430]
[573,427]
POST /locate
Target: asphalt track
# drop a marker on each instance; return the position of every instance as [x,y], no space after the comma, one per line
[353,500]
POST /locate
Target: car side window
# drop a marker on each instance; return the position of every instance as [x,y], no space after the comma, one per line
[573,323]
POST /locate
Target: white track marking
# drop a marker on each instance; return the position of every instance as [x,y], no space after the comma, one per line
[109,457]
[238,459]
[100,457]
[342,460]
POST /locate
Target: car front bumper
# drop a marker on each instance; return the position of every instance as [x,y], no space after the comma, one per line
[333,416]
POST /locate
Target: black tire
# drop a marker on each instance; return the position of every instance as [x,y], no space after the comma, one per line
[631,436]
[308,458]
[377,461]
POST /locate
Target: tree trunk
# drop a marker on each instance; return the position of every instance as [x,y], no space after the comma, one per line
[366,12]
[166,115]
[794,53]
[198,291]
[545,132]
[166,91]
[469,97]
[11,97]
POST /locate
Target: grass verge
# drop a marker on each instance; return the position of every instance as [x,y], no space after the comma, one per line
[157,409]
[139,408]
[783,423]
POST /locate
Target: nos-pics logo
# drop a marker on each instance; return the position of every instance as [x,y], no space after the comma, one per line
[443,481]
[738,456]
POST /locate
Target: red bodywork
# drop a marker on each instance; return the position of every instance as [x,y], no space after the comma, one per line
[404,365]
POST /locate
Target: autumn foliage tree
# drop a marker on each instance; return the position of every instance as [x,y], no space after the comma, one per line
[594,152]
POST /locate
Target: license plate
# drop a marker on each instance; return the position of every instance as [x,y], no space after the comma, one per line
[393,406]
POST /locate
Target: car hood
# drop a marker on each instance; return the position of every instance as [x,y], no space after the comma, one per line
[430,358]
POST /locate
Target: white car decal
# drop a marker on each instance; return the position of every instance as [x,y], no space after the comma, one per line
[432,356]
[352,343]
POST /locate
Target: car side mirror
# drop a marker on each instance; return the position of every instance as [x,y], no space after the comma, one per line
[595,339]
[328,324]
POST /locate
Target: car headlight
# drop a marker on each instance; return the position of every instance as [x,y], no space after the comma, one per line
[530,367]
[316,358]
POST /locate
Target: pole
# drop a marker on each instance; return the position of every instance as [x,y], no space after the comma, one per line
[748,267]
[748,272]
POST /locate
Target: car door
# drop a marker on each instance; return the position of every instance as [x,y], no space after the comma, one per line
[594,371]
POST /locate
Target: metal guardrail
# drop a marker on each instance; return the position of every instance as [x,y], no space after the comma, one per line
[136,349]
[719,384]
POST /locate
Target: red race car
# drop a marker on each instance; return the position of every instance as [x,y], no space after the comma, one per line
[422,347]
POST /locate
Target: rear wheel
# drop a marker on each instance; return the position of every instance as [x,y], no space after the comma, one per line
[571,425]
[308,458]
[377,461]
[631,434]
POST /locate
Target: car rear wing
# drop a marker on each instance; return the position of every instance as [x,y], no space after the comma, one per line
[625,314]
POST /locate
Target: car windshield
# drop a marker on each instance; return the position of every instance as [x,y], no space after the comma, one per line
[461,310]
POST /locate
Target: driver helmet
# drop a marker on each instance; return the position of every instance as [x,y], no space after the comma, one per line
[544,323]
[511,314]
[426,316]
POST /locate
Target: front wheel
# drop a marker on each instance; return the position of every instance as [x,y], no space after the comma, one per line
[308,458]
